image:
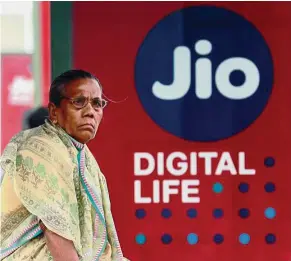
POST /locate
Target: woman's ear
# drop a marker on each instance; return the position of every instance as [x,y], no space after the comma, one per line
[53,113]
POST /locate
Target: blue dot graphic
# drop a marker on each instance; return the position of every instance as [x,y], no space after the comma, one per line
[218,238]
[166,213]
[269,162]
[270,238]
[218,213]
[244,238]
[167,239]
[244,213]
[192,239]
[270,187]
[140,239]
[140,213]
[217,187]
[270,213]
[243,187]
[192,213]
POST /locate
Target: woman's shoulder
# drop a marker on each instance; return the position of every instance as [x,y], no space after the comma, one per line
[44,144]
[27,136]
[47,149]
[15,143]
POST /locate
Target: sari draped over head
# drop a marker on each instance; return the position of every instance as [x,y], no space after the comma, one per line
[50,177]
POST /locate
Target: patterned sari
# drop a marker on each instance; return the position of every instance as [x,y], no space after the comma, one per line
[49,176]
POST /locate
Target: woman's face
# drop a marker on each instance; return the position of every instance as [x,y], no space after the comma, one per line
[81,124]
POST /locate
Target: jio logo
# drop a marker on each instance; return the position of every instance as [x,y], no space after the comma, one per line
[204,73]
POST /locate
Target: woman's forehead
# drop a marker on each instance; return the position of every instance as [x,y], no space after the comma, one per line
[86,87]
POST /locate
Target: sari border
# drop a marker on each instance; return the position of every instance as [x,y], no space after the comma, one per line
[119,251]
[30,232]
[102,246]
[93,199]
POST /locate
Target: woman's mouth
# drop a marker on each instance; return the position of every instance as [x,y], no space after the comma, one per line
[87,126]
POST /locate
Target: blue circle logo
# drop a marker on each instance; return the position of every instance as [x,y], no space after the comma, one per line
[204,73]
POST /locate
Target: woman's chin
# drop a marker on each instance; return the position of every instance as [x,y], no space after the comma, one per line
[85,136]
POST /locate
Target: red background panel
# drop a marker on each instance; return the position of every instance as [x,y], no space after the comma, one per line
[45,49]
[13,66]
[106,39]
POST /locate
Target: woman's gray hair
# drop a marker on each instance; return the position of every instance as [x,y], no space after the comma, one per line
[57,87]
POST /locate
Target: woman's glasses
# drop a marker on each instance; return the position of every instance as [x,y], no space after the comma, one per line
[81,102]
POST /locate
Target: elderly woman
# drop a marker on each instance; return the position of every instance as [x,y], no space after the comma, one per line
[55,202]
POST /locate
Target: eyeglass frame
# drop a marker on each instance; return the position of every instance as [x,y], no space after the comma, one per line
[86,102]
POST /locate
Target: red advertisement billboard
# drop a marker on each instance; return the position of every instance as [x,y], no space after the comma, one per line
[196,143]
[17,93]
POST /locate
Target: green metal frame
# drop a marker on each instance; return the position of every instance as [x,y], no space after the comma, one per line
[61,37]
